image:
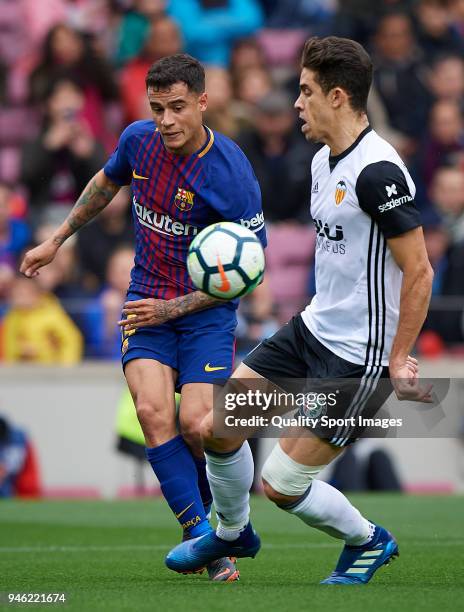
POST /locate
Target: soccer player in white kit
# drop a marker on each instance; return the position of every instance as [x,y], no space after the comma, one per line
[373,286]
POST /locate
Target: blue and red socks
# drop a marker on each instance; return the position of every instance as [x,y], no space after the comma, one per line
[178,475]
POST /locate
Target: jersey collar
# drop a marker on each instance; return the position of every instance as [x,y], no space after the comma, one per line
[334,159]
[208,144]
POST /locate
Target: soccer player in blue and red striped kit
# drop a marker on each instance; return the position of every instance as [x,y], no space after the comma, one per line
[183,177]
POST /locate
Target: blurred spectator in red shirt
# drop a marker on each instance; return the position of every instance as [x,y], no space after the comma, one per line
[135,27]
[163,39]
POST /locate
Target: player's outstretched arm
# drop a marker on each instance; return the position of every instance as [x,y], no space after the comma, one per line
[411,256]
[150,311]
[96,196]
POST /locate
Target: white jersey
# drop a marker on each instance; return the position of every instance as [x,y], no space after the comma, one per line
[358,200]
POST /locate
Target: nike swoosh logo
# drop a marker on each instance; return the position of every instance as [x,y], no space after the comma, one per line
[137,176]
[184,510]
[225,285]
[210,368]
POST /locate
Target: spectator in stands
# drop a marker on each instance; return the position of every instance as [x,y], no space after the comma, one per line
[446,80]
[13,450]
[221,113]
[314,15]
[437,242]
[436,35]
[246,54]
[447,261]
[256,320]
[67,54]
[99,239]
[444,142]
[15,234]
[163,39]
[280,158]
[37,329]
[456,8]
[447,194]
[57,165]
[210,27]
[107,334]
[135,27]
[63,278]
[398,75]
[250,86]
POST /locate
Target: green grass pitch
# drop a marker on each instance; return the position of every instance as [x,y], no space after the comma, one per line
[109,556]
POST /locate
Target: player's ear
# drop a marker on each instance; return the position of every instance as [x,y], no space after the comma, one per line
[337,97]
[203,101]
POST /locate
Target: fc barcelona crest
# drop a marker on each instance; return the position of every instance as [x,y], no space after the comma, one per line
[340,192]
[184,199]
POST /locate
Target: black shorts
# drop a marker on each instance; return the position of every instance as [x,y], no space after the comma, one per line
[294,353]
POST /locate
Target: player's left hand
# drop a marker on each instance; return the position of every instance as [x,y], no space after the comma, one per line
[405,381]
[143,313]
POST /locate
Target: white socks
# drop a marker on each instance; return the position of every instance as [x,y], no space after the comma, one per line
[230,477]
[325,508]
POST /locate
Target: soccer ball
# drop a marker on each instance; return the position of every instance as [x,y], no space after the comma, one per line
[226,260]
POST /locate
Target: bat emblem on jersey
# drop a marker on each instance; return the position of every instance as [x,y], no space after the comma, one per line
[184,199]
[340,192]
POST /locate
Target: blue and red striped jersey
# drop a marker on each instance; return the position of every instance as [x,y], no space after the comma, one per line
[174,197]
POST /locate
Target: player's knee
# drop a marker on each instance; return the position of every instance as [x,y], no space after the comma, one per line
[153,418]
[191,432]
[273,495]
[206,430]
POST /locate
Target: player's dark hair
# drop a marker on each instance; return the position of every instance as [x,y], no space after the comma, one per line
[180,67]
[340,62]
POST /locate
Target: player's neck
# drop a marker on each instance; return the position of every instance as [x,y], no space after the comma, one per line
[345,133]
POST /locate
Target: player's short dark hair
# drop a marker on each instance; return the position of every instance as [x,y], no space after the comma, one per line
[180,67]
[340,62]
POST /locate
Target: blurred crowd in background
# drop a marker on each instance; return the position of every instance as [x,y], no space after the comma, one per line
[72,76]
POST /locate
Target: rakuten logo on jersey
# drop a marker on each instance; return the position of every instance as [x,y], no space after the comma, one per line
[394,203]
[161,223]
[255,223]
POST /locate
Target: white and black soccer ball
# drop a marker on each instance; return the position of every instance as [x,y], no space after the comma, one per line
[226,260]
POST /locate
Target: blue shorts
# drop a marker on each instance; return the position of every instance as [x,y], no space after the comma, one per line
[200,346]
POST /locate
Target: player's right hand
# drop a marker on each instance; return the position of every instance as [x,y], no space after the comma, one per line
[405,381]
[38,257]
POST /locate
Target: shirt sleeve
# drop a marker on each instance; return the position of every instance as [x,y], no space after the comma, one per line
[238,197]
[385,195]
[118,168]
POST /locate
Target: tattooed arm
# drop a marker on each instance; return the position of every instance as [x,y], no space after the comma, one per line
[150,311]
[95,197]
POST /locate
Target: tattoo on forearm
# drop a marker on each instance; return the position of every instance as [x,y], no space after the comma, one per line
[192,302]
[93,200]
